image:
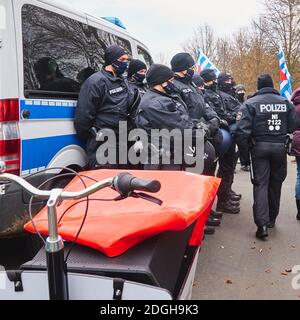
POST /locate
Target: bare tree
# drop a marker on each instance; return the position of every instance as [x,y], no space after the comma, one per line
[254,50]
[280,26]
[203,38]
[224,54]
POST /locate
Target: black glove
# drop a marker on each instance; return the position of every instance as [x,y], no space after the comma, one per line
[225,125]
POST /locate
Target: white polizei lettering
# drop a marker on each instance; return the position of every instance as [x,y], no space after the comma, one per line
[117,90]
[273,108]
[187,90]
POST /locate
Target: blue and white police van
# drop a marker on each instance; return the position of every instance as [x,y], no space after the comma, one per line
[47,51]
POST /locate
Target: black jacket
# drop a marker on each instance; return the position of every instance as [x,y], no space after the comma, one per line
[104,101]
[232,104]
[141,88]
[161,111]
[138,89]
[193,98]
[266,117]
[214,99]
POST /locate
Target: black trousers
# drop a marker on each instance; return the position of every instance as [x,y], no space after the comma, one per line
[244,156]
[226,173]
[269,163]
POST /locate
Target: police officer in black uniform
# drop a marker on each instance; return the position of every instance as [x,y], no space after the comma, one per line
[183,66]
[266,120]
[198,83]
[226,86]
[226,90]
[162,108]
[104,100]
[136,79]
[137,75]
[228,200]
[240,93]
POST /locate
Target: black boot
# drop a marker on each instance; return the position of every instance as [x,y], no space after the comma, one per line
[227,207]
[212,222]
[235,198]
[262,232]
[298,207]
[216,215]
[272,224]
[209,231]
[234,194]
[234,203]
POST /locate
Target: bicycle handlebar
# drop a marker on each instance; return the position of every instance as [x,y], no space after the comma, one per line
[124,183]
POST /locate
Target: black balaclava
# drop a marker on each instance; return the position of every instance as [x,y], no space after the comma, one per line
[240,92]
[223,86]
[134,67]
[112,54]
[209,75]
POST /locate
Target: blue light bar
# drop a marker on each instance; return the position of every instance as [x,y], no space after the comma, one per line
[115,21]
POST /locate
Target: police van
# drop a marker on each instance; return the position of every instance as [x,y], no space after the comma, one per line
[47,51]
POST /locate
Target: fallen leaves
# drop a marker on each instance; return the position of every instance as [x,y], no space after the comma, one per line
[289,270]
[268,271]
[229,282]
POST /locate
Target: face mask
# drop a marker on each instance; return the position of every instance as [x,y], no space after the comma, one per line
[190,74]
[139,77]
[212,87]
[241,97]
[226,87]
[170,88]
[120,67]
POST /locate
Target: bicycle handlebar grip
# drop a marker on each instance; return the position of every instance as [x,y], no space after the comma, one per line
[126,183]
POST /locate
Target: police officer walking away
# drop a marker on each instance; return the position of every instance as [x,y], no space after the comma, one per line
[104,100]
[266,120]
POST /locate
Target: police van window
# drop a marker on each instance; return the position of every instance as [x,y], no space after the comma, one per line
[145,56]
[61,53]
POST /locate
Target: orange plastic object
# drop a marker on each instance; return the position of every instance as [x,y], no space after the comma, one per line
[114,227]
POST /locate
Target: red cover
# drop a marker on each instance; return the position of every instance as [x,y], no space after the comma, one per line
[114,227]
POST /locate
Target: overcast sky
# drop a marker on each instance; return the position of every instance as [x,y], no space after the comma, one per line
[164,25]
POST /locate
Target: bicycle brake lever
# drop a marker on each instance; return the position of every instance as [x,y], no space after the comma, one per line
[147,197]
[140,195]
